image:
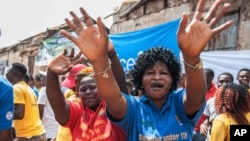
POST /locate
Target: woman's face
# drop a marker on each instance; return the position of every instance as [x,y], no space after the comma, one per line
[88,93]
[157,81]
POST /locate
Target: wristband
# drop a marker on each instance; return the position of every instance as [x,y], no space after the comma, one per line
[104,72]
[197,66]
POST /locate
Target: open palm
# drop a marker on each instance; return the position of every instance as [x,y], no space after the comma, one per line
[92,41]
[62,63]
[193,37]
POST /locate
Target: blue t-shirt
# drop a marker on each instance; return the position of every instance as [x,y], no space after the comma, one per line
[143,121]
[6,104]
[35,90]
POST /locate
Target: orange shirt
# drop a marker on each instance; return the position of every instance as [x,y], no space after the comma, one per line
[85,124]
[210,92]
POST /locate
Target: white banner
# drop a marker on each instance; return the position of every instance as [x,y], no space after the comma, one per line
[225,61]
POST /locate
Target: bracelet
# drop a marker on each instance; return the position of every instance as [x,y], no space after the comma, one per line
[104,73]
[111,56]
[197,66]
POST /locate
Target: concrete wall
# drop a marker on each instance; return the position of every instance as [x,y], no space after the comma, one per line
[161,11]
[149,13]
[244,28]
[25,52]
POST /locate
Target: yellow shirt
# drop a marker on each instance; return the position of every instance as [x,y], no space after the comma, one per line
[221,127]
[68,93]
[31,124]
[63,133]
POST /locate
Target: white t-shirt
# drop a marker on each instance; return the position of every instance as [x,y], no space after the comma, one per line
[210,109]
[49,122]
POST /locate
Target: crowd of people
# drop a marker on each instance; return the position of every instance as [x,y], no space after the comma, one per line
[99,102]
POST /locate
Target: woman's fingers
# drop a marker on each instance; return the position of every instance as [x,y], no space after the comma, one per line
[212,11]
[219,15]
[77,21]
[72,53]
[68,35]
[199,9]
[79,60]
[76,57]
[222,27]
[102,29]
[87,19]
[70,24]
[183,24]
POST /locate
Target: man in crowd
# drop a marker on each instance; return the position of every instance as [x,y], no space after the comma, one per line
[26,122]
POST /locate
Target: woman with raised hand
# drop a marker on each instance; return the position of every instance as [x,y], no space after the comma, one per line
[160,114]
[87,119]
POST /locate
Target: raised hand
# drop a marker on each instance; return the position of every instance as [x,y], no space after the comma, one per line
[193,38]
[62,63]
[92,41]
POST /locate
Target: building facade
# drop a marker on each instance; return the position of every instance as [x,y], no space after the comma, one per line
[135,15]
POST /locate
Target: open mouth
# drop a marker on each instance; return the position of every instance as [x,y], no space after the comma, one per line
[157,86]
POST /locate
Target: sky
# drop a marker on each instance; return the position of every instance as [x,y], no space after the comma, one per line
[21,19]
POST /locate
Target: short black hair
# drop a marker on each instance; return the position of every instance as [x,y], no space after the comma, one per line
[210,72]
[228,74]
[38,77]
[243,69]
[20,67]
[148,58]
[28,77]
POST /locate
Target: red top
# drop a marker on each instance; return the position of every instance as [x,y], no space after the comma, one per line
[88,125]
[209,94]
